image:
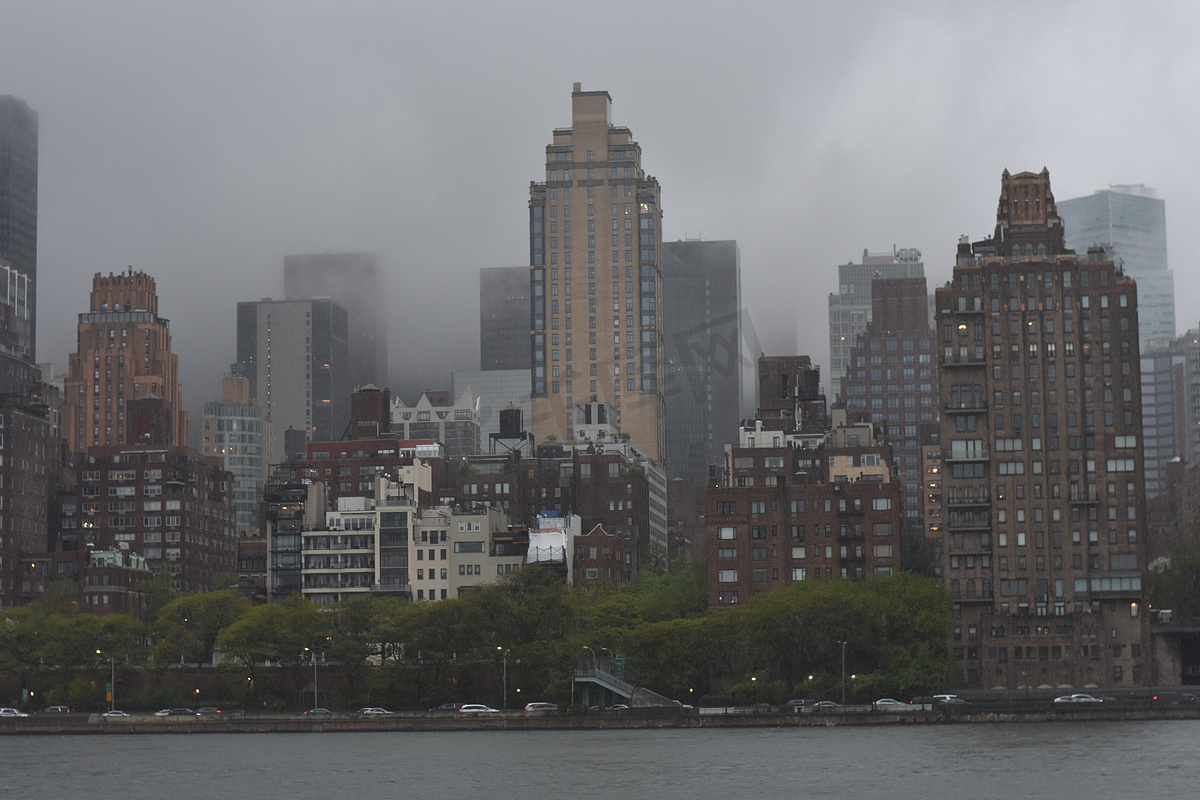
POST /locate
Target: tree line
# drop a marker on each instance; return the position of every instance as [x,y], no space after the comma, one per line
[524,635]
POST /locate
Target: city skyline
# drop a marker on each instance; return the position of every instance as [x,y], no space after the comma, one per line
[192,202]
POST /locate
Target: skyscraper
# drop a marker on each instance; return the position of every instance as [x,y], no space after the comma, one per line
[892,378]
[295,355]
[1044,509]
[353,281]
[596,290]
[1132,223]
[18,197]
[850,307]
[703,343]
[504,318]
[124,356]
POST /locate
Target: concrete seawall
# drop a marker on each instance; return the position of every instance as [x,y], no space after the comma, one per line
[638,719]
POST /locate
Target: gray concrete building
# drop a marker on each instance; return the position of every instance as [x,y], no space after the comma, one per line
[295,355]
[19,198]
[705,353]
[354,281]
[504,319]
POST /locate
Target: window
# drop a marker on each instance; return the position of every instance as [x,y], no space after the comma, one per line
[727,576]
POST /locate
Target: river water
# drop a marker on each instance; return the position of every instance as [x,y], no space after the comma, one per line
[1056,761]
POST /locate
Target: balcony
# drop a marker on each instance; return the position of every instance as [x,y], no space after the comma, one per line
[970,500]
[1084,494]
[965,455]
[962,408]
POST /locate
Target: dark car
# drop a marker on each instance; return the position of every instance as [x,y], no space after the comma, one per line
[448,707]
[208,711]
[318,712]
[175,712]
[59,710]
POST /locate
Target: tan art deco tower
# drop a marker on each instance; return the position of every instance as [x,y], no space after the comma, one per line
[595,242]
[123,354]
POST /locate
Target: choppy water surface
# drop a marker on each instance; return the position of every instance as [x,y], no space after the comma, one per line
[1052,760]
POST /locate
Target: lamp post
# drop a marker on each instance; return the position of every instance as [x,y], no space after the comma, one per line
[843,644]
[504,673]
[593,652]
[612,660]
[313,655]
[112,681]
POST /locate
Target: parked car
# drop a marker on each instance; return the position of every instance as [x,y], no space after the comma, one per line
[476,708]
[948,698]
[208,711]
[801,703]
[115,713]
[372,710]
[58,710]
[541,707]
[12,712]
[318,712]
[1078,698]
[175,712]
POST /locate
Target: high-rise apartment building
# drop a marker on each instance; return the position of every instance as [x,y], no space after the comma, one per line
[295,355]
[234,431]
[850,308]
[504,318]
[1131,223]
[124,355]
[892,377]
[19,198]
[354,282]
[1043,534]
[595,279]
[703,344]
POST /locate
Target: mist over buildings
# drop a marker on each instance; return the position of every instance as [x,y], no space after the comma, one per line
[204,143]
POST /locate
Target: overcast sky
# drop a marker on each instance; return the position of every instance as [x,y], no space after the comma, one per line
[202,141]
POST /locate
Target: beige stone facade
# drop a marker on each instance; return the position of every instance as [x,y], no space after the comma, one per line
[596,283]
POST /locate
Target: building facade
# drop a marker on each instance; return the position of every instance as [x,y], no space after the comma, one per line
[235,432]
[850,308]
[1131,223]
[596,291]
[453,421]
[27,472]
[167,504]
[355,282]
[504,319]
[295,354]
[19,198]
[704,348]
[1042,472]
[124,355]
[892,377]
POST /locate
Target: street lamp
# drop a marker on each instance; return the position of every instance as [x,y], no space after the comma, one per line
[112,681]
[843,644]
[504,659]
[313,655]
[612,659]
[593,652]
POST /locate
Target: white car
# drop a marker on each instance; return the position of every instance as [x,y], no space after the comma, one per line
[887,701]
[477,708]
[12,712]
[1078,698]
[373,710]
[115,714]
